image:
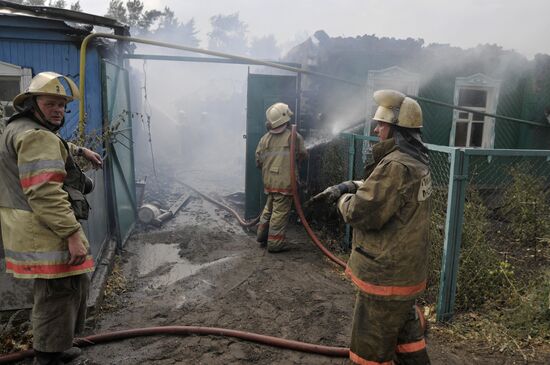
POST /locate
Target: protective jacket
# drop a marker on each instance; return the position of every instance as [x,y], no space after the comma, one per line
[390,216]
[273,157]
[35,210]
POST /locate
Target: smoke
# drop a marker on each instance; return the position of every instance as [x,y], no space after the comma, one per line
[197,119]
[438,60]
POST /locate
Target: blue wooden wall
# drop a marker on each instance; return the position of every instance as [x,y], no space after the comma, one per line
[47,45]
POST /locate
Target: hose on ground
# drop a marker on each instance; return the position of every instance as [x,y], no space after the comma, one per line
[298,205]
[190,330]
[193,330]
[242,222]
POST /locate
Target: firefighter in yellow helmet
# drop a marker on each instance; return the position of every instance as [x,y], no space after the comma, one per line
[390,215]
[41,201]
[273,157]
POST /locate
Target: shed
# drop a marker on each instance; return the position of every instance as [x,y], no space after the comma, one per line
[34,39]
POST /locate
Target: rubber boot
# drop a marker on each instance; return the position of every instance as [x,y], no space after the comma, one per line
[70,354]
[47,358]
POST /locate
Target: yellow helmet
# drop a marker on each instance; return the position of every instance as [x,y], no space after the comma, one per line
[278,114]
[397,108]
[48,83]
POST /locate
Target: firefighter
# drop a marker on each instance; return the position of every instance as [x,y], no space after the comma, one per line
[390,215]
[273,157]
[41,201]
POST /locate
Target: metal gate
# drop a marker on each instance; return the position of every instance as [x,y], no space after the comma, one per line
[120,151]
[263,91]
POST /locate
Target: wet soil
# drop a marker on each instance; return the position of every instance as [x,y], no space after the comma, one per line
[202,269]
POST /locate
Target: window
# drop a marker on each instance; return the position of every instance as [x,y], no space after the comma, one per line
[469,126]
[471,129]
[9,88]
[13,79]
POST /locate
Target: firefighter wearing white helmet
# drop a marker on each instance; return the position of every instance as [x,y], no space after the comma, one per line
[49,85]
[396,108]
[273,157]
[278,115]
[41,201]
[390,215]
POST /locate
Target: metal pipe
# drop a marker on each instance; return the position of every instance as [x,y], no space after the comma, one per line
[171,212]
[457,107]
[87,39]
[199,59]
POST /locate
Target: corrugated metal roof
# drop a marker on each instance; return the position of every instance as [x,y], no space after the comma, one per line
[74,19]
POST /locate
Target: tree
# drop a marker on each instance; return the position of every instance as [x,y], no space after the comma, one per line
[265,48]
[168,20]
[135,12]
[162,24]
[34,2]
[171,30]
[228,34]
[61,4]
[76,6]
[117,11]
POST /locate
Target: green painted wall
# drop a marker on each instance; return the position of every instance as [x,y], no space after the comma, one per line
[263,91]
[524,89]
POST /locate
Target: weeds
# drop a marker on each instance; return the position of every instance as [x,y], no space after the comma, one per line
[526,208]
[503,291]
[116,285]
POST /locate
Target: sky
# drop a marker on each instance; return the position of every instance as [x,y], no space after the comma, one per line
[519,25]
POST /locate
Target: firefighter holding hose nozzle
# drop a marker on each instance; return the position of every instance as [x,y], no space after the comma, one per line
[390,215]
[273,157]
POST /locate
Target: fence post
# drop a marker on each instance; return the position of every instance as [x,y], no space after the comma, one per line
[351,167]
[453,234]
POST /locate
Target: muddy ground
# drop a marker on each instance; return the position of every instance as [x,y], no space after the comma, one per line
[202,269]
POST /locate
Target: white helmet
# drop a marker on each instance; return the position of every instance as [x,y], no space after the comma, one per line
[278,114]
[48,83]
[397,108]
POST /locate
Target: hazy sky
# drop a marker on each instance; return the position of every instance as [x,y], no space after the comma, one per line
[520,25]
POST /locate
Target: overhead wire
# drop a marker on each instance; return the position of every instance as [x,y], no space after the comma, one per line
[148,111]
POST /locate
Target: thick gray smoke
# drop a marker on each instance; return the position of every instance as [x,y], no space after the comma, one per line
[197,117]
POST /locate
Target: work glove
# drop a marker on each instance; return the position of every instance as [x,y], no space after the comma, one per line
[331,194]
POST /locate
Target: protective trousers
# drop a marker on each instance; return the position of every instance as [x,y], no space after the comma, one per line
[387,332]
[273,222]
[59,311]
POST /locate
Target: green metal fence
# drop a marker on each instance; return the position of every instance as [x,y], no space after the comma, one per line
[490,232]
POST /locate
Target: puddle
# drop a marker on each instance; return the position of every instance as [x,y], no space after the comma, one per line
[161,264]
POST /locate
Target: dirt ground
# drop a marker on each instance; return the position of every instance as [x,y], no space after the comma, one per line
[202,269]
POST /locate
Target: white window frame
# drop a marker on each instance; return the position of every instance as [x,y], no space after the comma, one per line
[385,79]
[11,70]
[492,87]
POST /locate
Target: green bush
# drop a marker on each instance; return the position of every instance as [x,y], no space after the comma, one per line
[528,316]
[482,273]
[526,208]
[437,236]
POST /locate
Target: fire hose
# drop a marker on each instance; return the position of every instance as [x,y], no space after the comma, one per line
[297,204]
[193,330]
[242,222]
[189,330]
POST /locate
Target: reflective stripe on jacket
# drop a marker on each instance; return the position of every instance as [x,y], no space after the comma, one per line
[273,157]
[35,213]
[390,216]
